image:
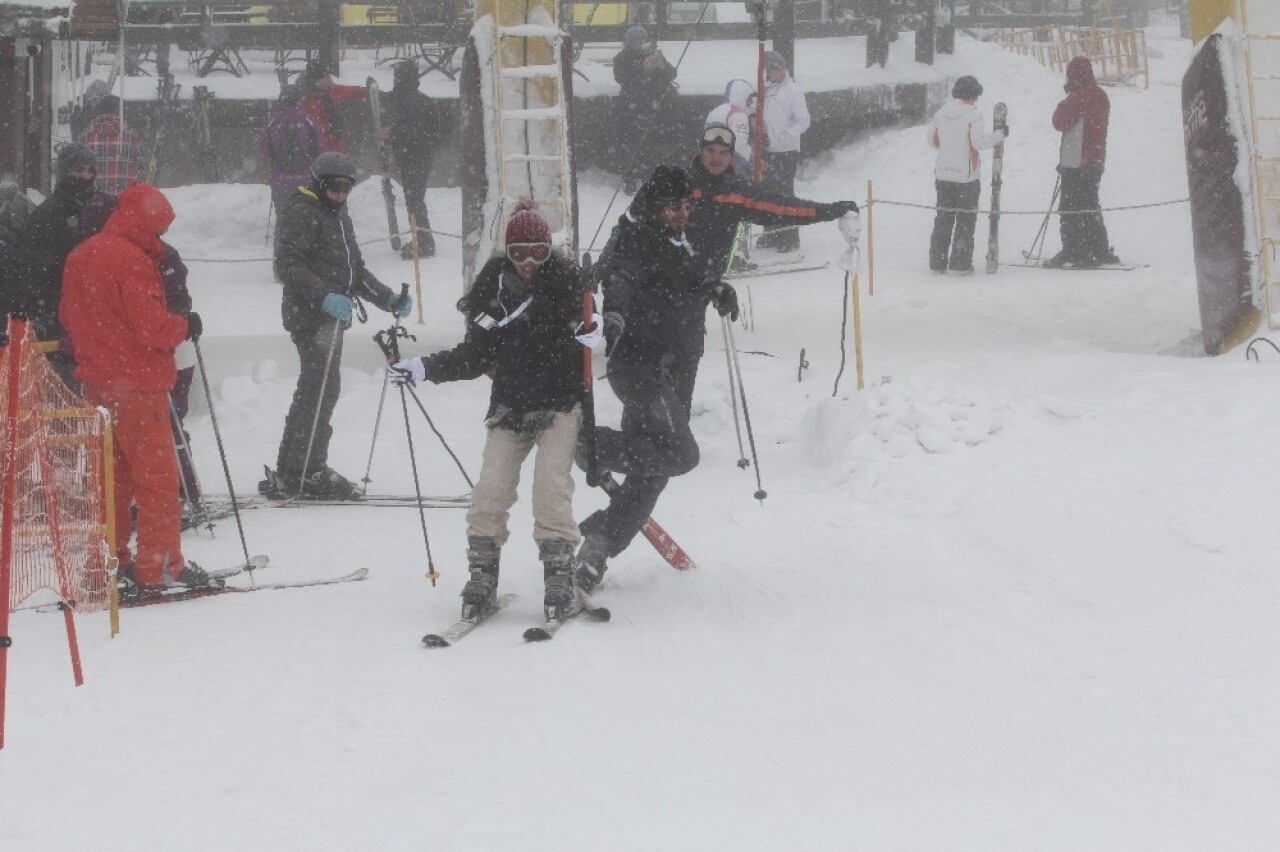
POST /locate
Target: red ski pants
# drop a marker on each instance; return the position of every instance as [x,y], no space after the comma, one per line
[146,473]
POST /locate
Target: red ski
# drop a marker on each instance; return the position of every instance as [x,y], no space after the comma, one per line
[663,543]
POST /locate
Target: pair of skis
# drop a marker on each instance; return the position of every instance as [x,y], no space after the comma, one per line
[999,121]
[217,585]
[461,628]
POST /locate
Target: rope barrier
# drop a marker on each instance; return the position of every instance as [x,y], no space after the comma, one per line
[1032,212]
[407,233]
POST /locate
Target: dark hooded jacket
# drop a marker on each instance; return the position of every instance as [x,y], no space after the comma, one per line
[418,127]
[1082,118]
[53,232]
[318,255]
[656,282]
[531,352]
[722,202]
[113,302]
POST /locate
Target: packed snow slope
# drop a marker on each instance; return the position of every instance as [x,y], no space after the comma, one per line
[1017,593]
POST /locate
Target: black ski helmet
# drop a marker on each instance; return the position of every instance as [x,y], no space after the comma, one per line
[332,164]
[967,89]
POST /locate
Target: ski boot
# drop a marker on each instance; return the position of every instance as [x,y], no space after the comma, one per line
[559,598]
[327,484]
[589,567]
[480,594]
[277,485]
[191,576]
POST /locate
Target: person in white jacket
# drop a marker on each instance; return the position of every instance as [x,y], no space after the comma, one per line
[786,118]
[958,133]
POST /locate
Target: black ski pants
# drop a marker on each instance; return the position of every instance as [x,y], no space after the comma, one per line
[654,444]
[951,246]
[1084,234]
[415,199]
[317,348]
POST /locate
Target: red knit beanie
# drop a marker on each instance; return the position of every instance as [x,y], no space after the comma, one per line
[527,225]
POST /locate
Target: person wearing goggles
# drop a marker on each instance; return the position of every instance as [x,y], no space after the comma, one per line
[324,277]
[724,199]
[524,329]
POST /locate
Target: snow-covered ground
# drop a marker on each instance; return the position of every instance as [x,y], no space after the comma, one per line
[1018,593]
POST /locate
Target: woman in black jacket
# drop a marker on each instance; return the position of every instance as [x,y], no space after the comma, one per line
[524,314]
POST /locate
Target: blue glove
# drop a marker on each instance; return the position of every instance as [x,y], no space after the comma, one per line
[338,306]
[400,305]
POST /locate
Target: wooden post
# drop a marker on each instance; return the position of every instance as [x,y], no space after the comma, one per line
[857,330]
[417,265]
[109,519]
[871,249]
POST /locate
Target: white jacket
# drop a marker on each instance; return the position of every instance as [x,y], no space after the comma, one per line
[786,116]
[958,133]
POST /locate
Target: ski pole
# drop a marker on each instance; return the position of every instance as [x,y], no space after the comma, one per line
[222,454]
[746,413]
[417,264]
[180,446]
[588,429]
[388,341]
[270,209]
[1037,245]
[733,398]
[377,421]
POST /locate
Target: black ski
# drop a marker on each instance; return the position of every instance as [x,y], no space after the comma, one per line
[1102,267]
[550,627]
[455,632]
[384,163]
[211,591]
[999,121]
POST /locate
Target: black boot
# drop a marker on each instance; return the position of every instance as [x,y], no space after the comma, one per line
[590,565]
[558,599]
[480,594]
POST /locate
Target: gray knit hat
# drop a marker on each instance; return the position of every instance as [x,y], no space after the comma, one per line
[74,154]
[15,207]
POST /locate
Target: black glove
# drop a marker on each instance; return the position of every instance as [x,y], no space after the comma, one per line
[194,326]
[836,209]
[613,328]
[725,300]
[1006,131]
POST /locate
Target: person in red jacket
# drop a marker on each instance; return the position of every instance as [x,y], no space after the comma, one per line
[113,308]
[320,104]
[1081,118]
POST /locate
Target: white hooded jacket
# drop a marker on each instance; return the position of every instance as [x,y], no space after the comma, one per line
[786,116]
[958,133]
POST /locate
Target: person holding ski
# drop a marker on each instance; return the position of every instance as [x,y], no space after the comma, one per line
[121,156]
[647,81]
[722,200]
[524,328]
[321,98]
[417,130]
[290,144]
[958,133]
[786,118]
[1082,118]
[124,337]
[656,292]
[324,280]
[53,232]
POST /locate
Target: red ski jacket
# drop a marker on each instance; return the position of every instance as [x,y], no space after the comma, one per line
[322,109]
[113,302]
[1082,117]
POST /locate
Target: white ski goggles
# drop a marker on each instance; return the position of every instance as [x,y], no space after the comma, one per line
[525,252]
[718,135]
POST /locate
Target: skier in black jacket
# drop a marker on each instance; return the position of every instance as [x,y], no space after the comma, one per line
[656,292]
[647,82]
[723,200]
[417,131]
[524,311]
[53,232]
[15,251]
[324,276]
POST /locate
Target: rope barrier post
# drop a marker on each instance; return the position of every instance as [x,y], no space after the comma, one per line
[417,265]
[857,329]
[871,254]
[109,518]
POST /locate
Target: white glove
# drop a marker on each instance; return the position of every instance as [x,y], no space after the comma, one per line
[590,339]
[407,372]
[851,229]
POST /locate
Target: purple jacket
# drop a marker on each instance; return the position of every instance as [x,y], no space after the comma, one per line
[289,144]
